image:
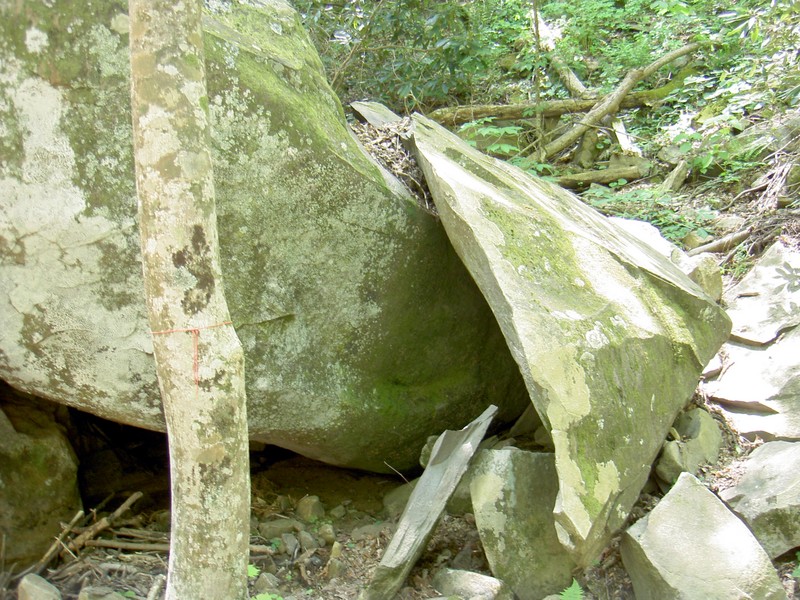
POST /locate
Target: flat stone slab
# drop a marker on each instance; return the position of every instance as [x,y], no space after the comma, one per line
[759,387]
[767,496]
[767,300]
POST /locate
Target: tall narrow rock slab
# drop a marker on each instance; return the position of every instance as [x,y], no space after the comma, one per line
[609,335]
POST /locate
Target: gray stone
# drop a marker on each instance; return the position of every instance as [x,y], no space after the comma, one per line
[309,509]
[327,533]
[759,388]
[38,480]
[289,544]
[275,528]
[266,583]
[466,584]
[33,587]
[765,302]
[767,496]
[394,502]
[596,320]
[691,546]
[307,541]
[332,276]
[699,443]
[513,494]
[99,592]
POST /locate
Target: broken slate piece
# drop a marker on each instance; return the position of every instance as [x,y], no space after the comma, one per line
[759,388]
[691,546]
[767,300]
[767,496]
[449,460]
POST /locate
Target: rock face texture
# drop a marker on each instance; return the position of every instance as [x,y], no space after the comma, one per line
[692,546]
[513,492]
[609,335]
[363,332]
[38,480]
[767,496]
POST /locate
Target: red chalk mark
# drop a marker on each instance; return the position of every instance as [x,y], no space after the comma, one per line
[195,331]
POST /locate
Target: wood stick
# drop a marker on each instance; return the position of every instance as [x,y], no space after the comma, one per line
[55,546]
[102,524]
[723,243]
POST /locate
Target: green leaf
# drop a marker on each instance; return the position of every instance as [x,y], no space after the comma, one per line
[573,592]
[252,570]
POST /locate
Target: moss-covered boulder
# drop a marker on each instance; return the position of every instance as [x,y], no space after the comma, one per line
[363,332]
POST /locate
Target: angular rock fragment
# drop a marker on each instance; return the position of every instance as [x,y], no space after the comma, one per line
[699,443]
[767,496]
[691,546]
[513,494]
[466,584]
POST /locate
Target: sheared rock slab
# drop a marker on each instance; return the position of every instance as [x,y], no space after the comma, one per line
[767,496]
[449,459]
[691,546]
[698,442]
[38,479]
[513,494]
[363,332]
[609,335]
[767,300]
[33,587]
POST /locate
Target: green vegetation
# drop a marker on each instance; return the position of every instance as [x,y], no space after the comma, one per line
[573,592]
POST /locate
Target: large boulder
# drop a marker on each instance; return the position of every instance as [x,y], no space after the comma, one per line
[363,332]
[38,477]
[609,335]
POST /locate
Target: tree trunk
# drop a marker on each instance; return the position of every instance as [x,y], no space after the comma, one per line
[199,358]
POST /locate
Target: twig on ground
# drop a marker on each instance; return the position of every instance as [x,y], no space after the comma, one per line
[76,544]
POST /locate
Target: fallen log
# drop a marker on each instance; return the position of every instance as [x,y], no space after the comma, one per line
[454,116]
[584,179]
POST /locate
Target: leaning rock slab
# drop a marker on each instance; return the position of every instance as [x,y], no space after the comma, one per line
[513,493]
[767,496]
[609,335]
[363,332]
[692,546]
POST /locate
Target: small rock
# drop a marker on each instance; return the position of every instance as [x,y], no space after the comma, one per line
[700,442]
[466,584]
[767,496]
[307,541]
[310,509]
[334,568]
[694,240]
[425,453]
[289,544]
[327,533]
[275,528]
[338,512]
[33,587]
[99,593]
[266,583]
[394,502]
[371,530]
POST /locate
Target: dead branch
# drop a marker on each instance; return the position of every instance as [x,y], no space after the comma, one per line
[54,547]
[723,243]
[80,541]
[580,180]
[610,104]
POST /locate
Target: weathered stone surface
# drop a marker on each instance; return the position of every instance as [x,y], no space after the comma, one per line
[691,546]
[699,443]
[33,587]
[332,278]
[609,335]
[767,496]
[513,494]
[759,388]
[466,584]
[38,481]
[766,300]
